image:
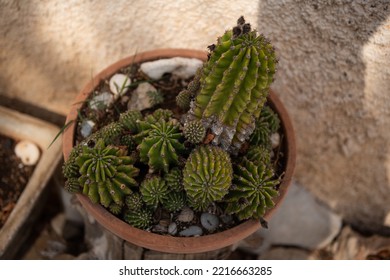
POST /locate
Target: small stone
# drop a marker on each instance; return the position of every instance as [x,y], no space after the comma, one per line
[179,66]
[140,99]
[119,84]
[275,140]
[86,128]
[172,229]
[28,152]
[191,231]
[101,101]
[209,221]
[186,215]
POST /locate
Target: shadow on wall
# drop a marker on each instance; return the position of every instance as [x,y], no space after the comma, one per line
[343,144]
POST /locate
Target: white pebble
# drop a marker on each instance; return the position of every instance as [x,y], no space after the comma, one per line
[191,231]
[172,228]
[86,128]
[275,140]
[28,152]
[101,101]
[179,66]
[119,84]
[209,221]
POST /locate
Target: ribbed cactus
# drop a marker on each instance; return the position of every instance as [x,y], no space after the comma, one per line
[115,209]
[194,131]
[134,201]
[141,218]
[174,201]
[174,179]
[234,85]
[110,132]
[161,148]
[259,154]
[253,190]
[267,123]
[129,120]
[154,191]
[183,99]
[207,175]
[106,173]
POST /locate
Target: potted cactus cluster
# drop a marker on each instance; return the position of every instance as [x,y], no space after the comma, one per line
[202,165]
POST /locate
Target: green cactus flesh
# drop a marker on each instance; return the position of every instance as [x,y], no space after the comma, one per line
[110,132]
[254,188]
[267,123]
[154,191]
[134,201]
[259,154]
[174,201]
[115,208]
[234,85]
[194,131]
[183,99]
[141,218]
[174,179]
[106,173]
[129,120]
[207,175]
[161,148]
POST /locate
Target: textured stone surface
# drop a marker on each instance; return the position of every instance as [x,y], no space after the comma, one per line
[333,74]
[300,221]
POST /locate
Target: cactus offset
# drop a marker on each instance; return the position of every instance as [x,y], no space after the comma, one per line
[194,132]
[234,85]
[129,120]
[174,179]
[154,191]
[254,188]
[134,201]
[267,123]
[183,99]
[174,201]
[207,175]
[141,218]
[161,148]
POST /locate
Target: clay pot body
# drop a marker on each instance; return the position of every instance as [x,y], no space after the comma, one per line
[170,244]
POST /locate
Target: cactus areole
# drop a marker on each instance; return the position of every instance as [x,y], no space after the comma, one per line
[149,174]
[234,85]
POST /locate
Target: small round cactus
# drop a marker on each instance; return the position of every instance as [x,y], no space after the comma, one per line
[154,191]
[128,141]
[183,100]
[129,120]
[134,201]
[269,116]
[174,179]
[115,209]
[110,132]
[72,185]
[174,201]
[265,125]
[259,154]
[162,147]
[207,175]
[141,218]
[254,188]
[194,132]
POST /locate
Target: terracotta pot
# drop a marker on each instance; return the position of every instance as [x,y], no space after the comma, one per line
[171,244]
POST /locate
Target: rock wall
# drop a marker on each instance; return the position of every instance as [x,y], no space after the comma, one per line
[333,74]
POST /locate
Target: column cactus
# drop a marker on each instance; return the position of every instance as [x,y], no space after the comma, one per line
[234,84]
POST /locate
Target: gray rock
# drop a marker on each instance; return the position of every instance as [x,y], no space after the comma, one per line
[101,101]
[191,231]
[179,66]
[140,99]
[86,128]
[209,221]
[300,221]
[172,228]
[186,215]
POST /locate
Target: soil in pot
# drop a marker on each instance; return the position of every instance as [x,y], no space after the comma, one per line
[14,177]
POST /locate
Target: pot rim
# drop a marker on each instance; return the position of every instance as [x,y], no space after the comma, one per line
[163,243]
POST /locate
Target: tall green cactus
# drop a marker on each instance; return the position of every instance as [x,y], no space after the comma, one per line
[234,84]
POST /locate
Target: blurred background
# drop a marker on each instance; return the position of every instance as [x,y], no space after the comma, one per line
[333,77]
